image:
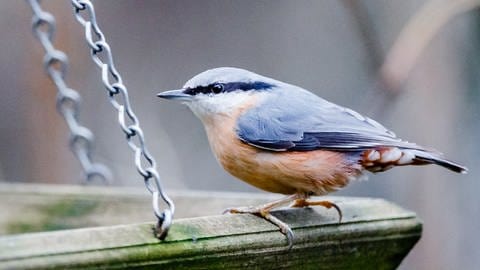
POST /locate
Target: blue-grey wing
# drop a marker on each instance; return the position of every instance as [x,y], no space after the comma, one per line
[293,119]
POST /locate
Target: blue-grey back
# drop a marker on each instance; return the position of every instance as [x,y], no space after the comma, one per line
[291,118]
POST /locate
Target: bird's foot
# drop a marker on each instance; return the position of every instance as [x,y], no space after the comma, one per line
[242,210]
[264,212]
[327,204]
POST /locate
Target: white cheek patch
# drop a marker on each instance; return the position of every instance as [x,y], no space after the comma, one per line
[225,102]
[205,106]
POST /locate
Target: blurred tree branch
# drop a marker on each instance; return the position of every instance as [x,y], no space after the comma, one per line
[414,38]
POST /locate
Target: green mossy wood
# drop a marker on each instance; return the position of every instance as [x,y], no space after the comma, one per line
[374,234]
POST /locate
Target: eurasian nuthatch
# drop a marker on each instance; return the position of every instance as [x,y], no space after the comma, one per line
[284,139]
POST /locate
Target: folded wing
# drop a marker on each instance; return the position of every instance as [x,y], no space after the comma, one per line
[297,120]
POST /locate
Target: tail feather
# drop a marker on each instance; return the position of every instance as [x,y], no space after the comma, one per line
[432,158]
[382,159]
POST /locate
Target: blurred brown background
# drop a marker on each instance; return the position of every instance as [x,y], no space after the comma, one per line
[334,48]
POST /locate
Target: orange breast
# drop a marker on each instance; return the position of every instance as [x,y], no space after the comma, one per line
[317,172]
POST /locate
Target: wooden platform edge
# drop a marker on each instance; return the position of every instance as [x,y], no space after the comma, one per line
[374,233]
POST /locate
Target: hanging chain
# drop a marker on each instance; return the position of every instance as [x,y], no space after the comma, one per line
[68,100]
[145,163]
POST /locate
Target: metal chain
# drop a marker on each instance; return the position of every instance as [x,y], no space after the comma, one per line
[145,163]
[68,100]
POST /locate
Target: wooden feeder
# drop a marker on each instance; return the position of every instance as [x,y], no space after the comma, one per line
[73,227]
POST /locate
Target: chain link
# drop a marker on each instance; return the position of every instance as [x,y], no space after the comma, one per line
[68,100]
[145,163]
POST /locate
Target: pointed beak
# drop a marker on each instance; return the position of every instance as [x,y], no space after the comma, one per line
[175,95]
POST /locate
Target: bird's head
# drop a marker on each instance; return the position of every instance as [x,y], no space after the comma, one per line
[220,90]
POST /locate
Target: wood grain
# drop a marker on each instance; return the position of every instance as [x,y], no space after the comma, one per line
[374,233]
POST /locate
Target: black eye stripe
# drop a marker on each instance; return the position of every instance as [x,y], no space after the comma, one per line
[216,88]
[198,90]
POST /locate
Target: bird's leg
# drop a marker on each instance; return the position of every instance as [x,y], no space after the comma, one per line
[265,207]
[302,202]
[264,212]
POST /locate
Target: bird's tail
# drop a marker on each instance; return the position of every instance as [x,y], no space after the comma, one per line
[384,158]
[424,157]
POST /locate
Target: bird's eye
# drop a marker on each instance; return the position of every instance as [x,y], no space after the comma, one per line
[217,88]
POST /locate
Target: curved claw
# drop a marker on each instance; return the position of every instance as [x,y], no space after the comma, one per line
[339,211]
[228,211]
[290,237]
[326,204]
[284,228]
[265,214]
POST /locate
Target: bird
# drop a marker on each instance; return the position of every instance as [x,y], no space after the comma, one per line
[284,139]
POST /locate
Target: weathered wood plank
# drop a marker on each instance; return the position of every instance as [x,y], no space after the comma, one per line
[55,207]
[374,233]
